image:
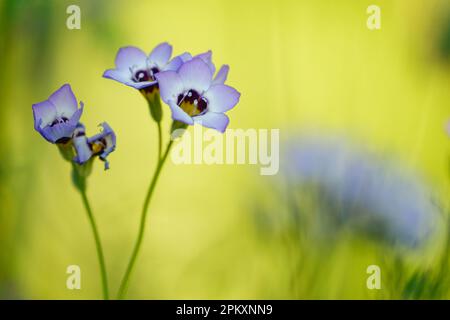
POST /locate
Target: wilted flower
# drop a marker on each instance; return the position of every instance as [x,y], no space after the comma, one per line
[194,97]
[102,144]
[57,117]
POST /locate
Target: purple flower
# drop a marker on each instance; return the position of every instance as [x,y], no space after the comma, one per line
[195,97]
[135,69]
[57,117]
[101,144]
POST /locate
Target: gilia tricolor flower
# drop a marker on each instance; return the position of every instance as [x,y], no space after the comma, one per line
[137,70]
[195,97]
[57,120]
[101,144]
[57,117]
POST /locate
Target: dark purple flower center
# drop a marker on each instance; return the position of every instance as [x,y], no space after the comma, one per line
[192,103]
[98,146]
[59,121]
[142,75]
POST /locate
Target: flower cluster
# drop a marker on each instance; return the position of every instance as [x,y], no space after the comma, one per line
[185,83]
[57,119]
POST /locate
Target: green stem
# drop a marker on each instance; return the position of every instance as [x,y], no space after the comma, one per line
[159,141]
[98,244]
[137,246]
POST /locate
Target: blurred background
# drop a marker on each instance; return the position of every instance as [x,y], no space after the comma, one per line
[365,176]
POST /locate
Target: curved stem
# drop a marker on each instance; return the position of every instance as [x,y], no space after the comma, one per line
[98,244]
[137,246]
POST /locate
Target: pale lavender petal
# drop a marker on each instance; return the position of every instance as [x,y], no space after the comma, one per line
[130,56]
[124,76]
[221,75]
[174,64]
[170,85]
[178,113]
[186,56]
[58,132]
[221,98]
[217,121]
[76,116]
[207,58]
[82,149]
[119,75]
[64,101]
[160,55]
[196,75]
[44,113]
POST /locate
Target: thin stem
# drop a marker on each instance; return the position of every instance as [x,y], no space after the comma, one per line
[159,141]
[98,244]
[137,246]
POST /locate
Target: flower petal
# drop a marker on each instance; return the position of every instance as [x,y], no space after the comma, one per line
[174,64]
[58,131]
[44,113]
[170,85]
[124,76]
[76,116]
[119,75]
[160,55]
[217,121]
[221,98]
[221,75]
[186,56]
[207,58]
[130,56]
[178,113]
[83,151]
[196,75]
[64,101]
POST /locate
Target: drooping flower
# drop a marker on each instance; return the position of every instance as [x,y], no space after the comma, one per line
[135,69]
[57,117]
[101,144]
[194,97]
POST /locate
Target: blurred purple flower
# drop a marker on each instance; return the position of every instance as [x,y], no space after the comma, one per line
[194,97]
[135,69]
[57,117]
[102,144]
[358,189]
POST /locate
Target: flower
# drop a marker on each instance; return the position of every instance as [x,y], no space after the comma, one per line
[195,97]
[57,117]
[101,144]
[356,188]
[135,69]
